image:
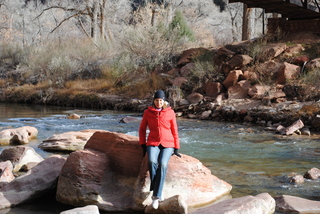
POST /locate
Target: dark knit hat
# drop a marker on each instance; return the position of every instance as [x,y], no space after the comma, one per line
[159,94]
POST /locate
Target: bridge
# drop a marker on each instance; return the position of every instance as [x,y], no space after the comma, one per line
[290,9]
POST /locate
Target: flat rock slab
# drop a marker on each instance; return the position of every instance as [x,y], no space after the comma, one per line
[293,204]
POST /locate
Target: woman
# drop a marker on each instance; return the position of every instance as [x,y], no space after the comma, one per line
[162,142]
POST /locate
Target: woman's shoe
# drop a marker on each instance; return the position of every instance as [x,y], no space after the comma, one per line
[155,203]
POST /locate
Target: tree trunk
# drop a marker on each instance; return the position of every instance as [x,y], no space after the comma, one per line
[94,23]
[103,19]
[245,22]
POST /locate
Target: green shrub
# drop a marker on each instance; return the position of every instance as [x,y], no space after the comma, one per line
[180,25]
[310,83]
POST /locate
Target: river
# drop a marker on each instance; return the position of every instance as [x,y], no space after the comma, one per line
[252,160]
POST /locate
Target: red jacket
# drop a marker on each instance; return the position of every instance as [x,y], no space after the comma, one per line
[163,128]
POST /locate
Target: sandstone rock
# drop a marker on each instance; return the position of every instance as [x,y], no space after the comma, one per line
[249,75]
[258,91]
[297,179]
[187,70]
[313,174]
[19,156]
[197,187]
[225,51]
[33,184]
[292,204]
[192,116]
[276,94]
[305,131]
[213,88]
[87,178]
[316,121]
[260,204]
[194,98]
[129,119]
[295,49]
[313,64]
[178,81]
[6,174]
[232,78]
[183,102]
[238,61]
[20,135]
[112,174]
[26,167]
[67,141]
[90,209]
[74,116]
[119,148]
[294,127]
[269,68]
[292,91]
[205,115]
[299,60]
[288,72]
[173,205]
[239,90]
[191,54]
[271,51]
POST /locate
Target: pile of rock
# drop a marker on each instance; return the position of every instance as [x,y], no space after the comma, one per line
[239,95]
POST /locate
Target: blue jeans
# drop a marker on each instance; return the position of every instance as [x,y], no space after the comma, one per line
[158,158]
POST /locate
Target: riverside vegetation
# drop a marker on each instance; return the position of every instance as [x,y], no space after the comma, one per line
[79,74]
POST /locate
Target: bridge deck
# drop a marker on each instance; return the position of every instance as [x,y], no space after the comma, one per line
[292,9]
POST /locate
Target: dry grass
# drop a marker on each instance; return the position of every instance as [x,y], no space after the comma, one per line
[94,85]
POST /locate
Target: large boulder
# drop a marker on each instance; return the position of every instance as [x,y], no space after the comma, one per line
[67,141]
[236,62]
[288,72]
[271,51]
[260,204]
[20,156]
[239,90]
[35,183]
[112,173]
[18,136]
[232,78]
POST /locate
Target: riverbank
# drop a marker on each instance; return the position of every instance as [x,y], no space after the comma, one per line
[263,82]
[242,111]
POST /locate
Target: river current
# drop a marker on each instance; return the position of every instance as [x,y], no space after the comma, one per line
[252,160]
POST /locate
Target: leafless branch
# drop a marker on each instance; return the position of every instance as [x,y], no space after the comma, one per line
[57,7]
[84,30]
[74,15]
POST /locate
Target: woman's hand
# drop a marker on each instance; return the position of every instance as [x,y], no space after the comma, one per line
[144,148]
[175,152]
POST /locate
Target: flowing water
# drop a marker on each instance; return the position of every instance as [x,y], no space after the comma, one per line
[252,160]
